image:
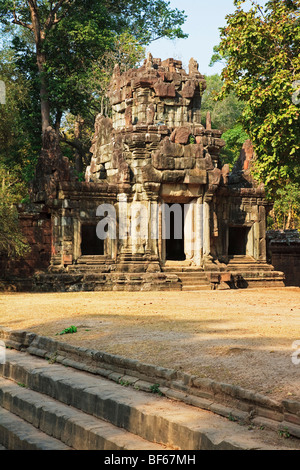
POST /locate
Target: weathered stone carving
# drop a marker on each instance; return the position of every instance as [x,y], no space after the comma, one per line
[154,151]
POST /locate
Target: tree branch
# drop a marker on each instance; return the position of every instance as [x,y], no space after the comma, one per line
[52,18]
[17,21]
[75,143]
[33,5]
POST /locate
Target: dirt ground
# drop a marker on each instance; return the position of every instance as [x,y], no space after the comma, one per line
[242,337]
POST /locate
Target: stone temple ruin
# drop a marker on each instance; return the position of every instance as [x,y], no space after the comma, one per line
[156,169]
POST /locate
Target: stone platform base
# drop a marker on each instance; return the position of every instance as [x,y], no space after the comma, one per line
[102,274]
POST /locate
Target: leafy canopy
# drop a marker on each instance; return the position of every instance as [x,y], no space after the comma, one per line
[225,115]
[261,48]
[78,42]
[67,36]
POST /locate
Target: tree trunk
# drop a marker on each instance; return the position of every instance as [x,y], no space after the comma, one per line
[78,154]
[45,107]
[58,122]
[289,219]
[39,37]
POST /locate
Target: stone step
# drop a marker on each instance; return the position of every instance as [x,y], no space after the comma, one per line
[189,275]
[152,417]
[192,280]
[195,282]
[247,262]
[249,267]
[261,274]
[241,259]
[16,434]
[89,269]
[182,269]
[94,260]
[65,423]
[195,287]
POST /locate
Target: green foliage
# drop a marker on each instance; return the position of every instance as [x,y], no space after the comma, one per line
[12,242]
[234,138]
[75,34]
[125,51]
[124,383]
[225,113]
[262,52]
[286,210]
[21,384]
[77,43]
[155,389]
[72,329]
[284,433]
[19,140]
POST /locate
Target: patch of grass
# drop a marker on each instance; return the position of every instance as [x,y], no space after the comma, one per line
[192,139]
[21,385]
[232,418]
[284,433]
[155,389]
[124,383]
[72,329]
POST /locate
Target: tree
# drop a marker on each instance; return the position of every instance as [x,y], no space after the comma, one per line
[19,134]
[261,49]
[225,115]
[12,242]
[285,214]
[234,138]
[77,130]
[68,34]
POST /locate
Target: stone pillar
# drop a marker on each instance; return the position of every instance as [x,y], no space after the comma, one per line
[161,241]
[122,211]
[199,235]
[153,242]
[206,230]
[189,230]
[262,234]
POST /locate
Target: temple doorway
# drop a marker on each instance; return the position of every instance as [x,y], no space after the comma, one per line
[238,239]
[174,224]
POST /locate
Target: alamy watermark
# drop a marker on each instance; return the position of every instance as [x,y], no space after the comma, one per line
[2,352]
[2,92]
[296,353]
[139,220]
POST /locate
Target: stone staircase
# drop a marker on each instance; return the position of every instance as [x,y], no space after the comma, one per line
[251,273]
[92,264]
[47,406]
[240,272]
[192,278]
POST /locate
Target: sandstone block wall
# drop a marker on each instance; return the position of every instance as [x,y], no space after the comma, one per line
[284,254]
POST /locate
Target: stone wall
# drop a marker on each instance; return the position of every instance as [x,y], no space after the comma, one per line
[284,254]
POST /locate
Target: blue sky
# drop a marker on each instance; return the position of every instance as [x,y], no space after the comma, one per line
[204,18]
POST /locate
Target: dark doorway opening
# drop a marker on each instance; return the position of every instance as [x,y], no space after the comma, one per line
[175,241]
[238,237]
[90,243]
